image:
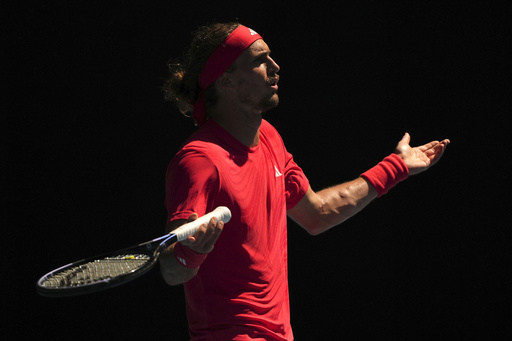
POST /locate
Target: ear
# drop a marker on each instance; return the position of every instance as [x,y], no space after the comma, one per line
[225,81]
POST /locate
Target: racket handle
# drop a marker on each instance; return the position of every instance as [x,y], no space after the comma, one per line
[222,213]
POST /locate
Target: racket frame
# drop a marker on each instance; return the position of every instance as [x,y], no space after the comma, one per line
[152,248]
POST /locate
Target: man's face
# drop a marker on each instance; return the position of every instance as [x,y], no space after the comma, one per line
[255,78]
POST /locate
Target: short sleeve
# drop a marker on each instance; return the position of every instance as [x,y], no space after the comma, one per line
[191,184]
[296,183]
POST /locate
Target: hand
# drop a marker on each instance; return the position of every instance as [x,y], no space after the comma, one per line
[419,159]
[204,239]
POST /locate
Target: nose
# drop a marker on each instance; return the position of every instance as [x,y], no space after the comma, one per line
[273,65]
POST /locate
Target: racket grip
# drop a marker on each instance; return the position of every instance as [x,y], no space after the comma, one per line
[222,213]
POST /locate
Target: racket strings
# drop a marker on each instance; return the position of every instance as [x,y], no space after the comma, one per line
[95,271]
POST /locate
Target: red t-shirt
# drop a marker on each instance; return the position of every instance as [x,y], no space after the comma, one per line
[241,289]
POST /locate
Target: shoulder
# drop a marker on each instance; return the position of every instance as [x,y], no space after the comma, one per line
[269,132]
[202,152]
[192,165]
[203,144]
[268,128]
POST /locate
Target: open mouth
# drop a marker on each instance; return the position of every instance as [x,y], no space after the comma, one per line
[273,82]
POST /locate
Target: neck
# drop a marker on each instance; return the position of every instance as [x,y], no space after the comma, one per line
[248,133]
[245,128]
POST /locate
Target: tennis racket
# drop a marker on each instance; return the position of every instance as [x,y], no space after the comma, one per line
[115,268]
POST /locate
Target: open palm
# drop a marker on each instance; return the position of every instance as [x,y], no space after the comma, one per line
[419,159]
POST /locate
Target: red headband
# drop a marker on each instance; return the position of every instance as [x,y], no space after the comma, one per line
[220,60]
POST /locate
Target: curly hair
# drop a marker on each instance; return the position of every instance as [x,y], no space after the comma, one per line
[182,86]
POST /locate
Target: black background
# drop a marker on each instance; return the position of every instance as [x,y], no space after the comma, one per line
[86,138]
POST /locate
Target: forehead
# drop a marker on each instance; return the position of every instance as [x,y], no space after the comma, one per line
[257,48]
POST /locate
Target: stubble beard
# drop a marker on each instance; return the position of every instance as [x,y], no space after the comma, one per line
[262,105]
[269,103]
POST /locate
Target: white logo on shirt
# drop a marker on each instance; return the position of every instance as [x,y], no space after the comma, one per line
[253,32]
[183,261]
[278,173]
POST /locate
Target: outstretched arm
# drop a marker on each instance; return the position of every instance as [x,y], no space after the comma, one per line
[319,211]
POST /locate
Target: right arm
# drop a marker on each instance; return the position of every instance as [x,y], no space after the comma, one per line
[202,242]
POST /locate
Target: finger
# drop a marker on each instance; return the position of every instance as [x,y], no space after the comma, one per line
[431,149]
[437,152]
[212,222]
[217,231]
[434,144]
[406,139]
[201,231]
[214,230]
[208,243]
[209,230]
[204,233]
[190,241]
[193,217]
[195,239]
[441,147]
[427,146]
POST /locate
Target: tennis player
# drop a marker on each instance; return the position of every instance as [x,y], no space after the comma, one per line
[236,276]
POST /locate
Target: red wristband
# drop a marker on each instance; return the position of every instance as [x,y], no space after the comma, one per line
[387,173]
[188,257]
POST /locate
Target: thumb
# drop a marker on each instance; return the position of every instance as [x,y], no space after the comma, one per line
[403,145]
[193,217]
[406,139]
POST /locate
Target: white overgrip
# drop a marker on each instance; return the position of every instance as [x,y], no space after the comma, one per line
[222,213]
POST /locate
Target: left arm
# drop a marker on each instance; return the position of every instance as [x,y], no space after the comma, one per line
[319,211]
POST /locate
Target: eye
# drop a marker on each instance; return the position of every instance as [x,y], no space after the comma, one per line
[261,59]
